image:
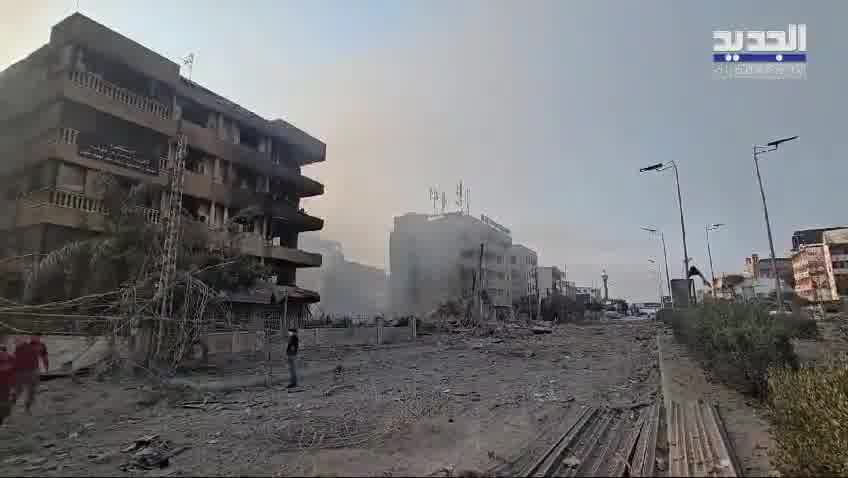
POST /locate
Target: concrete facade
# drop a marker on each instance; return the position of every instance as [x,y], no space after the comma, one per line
[821,270]
[434,258]
[93,102]
[551,281]
[522,262]
[760,268]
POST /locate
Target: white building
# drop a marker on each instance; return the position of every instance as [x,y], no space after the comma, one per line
[522,261]
[551,281]
[434,258]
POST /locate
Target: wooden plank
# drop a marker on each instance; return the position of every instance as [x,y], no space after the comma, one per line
[581,418]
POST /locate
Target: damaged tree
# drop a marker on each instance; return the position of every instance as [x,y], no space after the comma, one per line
[113,276]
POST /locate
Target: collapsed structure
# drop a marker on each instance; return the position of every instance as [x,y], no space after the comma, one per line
[92,102]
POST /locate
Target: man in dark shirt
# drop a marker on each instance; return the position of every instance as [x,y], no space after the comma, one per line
[28,354]
[291,354]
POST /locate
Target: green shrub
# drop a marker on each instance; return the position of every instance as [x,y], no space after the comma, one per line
[809,417]
[737,342]
[797,326]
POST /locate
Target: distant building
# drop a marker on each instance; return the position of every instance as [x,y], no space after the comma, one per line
[587,295]
[434,258]
[347,288]
[810,236]
[821,270]
[522,261]
[758,268]
[551,281]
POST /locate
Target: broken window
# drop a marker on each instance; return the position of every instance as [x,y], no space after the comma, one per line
[250,138]
[70,177]
[194,161]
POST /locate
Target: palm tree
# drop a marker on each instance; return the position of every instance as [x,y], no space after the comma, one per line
[127,251]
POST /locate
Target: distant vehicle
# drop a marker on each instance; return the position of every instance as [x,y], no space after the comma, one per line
[649,309]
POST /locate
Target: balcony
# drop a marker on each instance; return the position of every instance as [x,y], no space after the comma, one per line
[207,140]
[69,209]
[256,245]
[89,89]
[61,143]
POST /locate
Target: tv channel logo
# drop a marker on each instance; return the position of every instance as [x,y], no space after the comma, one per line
[758,54]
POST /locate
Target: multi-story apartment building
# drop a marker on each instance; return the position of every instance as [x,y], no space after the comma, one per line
[812,281]
[522,262]
[821,270]
[434,258]
[93,102]
[810,236]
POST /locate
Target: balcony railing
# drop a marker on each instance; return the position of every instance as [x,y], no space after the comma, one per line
[81,202]
[123,95]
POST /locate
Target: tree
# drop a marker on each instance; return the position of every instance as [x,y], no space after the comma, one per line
[128,252]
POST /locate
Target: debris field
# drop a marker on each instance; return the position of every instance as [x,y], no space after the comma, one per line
[447,404]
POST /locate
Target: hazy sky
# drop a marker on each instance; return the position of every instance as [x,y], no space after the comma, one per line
[546,109]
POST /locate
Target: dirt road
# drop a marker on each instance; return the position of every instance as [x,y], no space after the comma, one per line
[442,405]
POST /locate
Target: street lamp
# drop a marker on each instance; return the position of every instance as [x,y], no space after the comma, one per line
[662,167]
[758,150]
[659,233]
[659,280]
[707,229]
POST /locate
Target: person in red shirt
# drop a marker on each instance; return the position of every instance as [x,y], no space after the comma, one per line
[7,383]
[27,373]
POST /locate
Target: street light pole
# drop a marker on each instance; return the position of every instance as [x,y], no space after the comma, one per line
[659,280]
[772,146]
[682,223]
[655,231]
[707,229]
[663,167]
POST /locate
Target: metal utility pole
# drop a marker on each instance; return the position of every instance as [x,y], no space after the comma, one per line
[663,167]
[659,279]
[656,231]
[769,147]
[707,230]
[480,288]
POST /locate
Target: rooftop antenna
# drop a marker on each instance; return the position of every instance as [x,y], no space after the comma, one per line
[187,61]
[459,202]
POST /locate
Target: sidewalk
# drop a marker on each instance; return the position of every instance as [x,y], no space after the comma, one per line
[748,430]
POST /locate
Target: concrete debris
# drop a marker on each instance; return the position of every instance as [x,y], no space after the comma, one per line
[542,330]
[149,453]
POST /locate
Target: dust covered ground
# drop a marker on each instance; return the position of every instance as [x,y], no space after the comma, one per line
[448,403]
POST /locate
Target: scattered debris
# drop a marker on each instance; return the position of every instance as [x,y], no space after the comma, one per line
[100,458]
[542,330]
[150,452]
[333,390]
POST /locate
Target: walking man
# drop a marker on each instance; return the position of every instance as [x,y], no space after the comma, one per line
[291,355]
[7,383]
[27,374]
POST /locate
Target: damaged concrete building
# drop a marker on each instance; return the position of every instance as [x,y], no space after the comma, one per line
[434,258]
[93,102]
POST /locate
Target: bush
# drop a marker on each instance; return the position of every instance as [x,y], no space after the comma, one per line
[797,326]
[809,416]
[737,342]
